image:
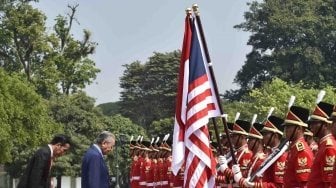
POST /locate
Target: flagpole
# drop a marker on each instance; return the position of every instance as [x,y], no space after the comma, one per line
[198,19]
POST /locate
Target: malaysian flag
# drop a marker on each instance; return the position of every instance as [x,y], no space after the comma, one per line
[195,104]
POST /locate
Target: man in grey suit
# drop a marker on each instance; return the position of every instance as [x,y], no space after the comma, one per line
[37,172]
[94,170]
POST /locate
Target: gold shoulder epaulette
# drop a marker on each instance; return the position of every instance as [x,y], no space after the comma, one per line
[299,146]
[329,142]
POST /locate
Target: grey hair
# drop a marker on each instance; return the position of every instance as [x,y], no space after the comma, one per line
[104,136]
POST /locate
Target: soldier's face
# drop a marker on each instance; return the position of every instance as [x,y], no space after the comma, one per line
[333,128]
[315,127]
[290,131]
[252,143]
[266,138]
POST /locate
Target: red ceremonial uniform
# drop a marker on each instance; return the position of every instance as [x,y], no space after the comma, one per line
[178,180]
[244,156]
[274,175]
[322,169]
[298,164]
[254,165]
[169,175]
[160,170]
[145,166]
[135,172]
[149,166]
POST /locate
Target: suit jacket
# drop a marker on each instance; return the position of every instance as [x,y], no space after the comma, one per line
[94,170]
[37,172]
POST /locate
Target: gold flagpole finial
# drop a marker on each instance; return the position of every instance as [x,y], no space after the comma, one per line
[195,9]
[188,11]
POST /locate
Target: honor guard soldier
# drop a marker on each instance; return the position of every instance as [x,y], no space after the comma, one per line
[255,144]
[239,139]
[165,172]
[322,169]
[300,156]
[272,135]
[214,146]
[168,175]
[309,137]
[145,164]
[333,125]
[160,166]
[132,155]
[333,130]
[152,173]
[135,166]
[222,180]
[178,180]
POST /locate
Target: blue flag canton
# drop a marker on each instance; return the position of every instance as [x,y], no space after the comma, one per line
[196,62]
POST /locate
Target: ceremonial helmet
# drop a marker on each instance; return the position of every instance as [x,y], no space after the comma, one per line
[297,116]
[333,114]
[255,131]
[322,112]
[241,127]
[273,124]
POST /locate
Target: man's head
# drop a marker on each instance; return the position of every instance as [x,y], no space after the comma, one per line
[61,144]
[333,119]
[319,122]
[240,132]
[272,131]
[295,122]
[106,141]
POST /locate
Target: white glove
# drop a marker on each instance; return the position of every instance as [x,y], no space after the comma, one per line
[222,162]
[247,183]
[237,175]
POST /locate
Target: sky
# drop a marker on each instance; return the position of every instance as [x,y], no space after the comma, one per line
[131,30]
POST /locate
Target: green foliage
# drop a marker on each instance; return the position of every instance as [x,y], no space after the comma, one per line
[291,40]
[276,94]
[71,56]
[23,39]
[149,89]
[161,127]
[110,108]
[47,60]
[25,122]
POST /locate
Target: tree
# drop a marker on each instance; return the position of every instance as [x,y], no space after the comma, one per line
[290,40]
[23,38]
[149,89]
[47,60]
[276,94]
[110,108]
[71,56]
[161,127]
[25,122]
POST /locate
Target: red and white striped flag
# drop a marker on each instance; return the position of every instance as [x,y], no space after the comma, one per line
[196,103]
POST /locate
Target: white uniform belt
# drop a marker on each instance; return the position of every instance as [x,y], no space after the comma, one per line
[135,177]
[150,184]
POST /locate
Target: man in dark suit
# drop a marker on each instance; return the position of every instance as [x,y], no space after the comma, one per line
[94,170]
[37,172]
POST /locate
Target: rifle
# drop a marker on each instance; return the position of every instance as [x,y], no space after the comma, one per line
[270,159]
